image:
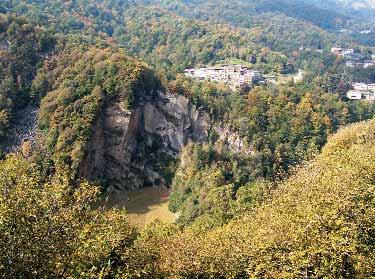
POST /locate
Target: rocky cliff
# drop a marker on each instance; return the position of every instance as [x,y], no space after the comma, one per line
[23,129]
[134,148]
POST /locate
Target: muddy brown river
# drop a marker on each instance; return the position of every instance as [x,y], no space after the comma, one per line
[143,206]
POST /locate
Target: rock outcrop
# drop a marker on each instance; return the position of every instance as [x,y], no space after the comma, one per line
[233,140]
[131,149]
[23,129]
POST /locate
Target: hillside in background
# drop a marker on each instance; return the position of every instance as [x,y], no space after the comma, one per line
[106,16]
[358,4]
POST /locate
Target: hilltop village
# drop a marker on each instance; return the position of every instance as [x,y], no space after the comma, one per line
[240,76]
[236,76]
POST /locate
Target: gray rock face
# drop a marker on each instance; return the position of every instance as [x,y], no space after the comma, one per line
[129,149]
[4,45]
[23,129]
[234,141]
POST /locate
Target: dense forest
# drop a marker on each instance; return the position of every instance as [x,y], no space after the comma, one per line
[272,180]
[279,127]
[319,222]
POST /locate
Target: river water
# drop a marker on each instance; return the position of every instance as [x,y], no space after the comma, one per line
[143,206]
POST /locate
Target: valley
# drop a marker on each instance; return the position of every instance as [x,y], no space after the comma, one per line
[159,139]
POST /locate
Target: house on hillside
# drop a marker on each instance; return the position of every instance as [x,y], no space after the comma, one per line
[371,87]
[351,64]
[342,51]
[368,63]
[189,72]
[236,76]
[354,94]
[271,79]
[360,86]
[362,91]
[369,95]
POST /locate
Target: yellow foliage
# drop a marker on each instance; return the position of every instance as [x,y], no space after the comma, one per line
[49,229]
[320,223]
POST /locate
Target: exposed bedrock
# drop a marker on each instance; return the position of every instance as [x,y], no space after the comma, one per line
[131,149]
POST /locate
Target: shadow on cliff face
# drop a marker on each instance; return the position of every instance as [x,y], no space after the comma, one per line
[133,148]
[143,206]
[23,128]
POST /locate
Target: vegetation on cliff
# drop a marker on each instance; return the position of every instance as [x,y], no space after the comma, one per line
[22,47]
[271,130]
[82,83]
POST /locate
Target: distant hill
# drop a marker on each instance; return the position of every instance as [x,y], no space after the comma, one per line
[332,16]
[358,4]
[361,10]
[324,16]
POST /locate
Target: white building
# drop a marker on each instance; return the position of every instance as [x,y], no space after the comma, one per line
[360,86]
[347,52]
[342,51]
[201,74]
[354,94]
[215,74]
[371,87]
[350,64]
[369,95]
[362,91]
[270,79]
[189,72]
[368,63]
[336,50]
[364,65]
[367,31]
[234,75]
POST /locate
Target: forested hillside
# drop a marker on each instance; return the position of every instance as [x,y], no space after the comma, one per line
[279,128]
[83,84]
[319,222]
[183,34]
[110,16]
[174,43]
